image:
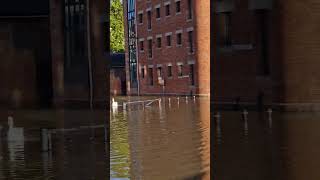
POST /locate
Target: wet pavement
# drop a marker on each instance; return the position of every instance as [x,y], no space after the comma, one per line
[267,146]
[166,140]
[78,148]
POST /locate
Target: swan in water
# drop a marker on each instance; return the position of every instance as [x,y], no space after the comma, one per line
[114,103]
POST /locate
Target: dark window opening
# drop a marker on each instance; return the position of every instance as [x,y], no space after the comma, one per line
[189,9]
[169,71]
[159,71]
[191,74]
[141,18]
[159,42]
[190,37]
[169,40]
[75,31]
[225,29]
[168,10]
[262,17]
[150,48]
[141,46]
[178,8]
[149,19]
[158,12]
[142,73]
[179,39]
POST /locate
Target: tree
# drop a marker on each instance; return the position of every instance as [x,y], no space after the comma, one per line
[116,26]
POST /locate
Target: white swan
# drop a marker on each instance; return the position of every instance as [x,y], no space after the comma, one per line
[114,103]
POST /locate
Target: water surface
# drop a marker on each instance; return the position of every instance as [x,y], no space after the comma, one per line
[78,152]
[168,140]
[280,146]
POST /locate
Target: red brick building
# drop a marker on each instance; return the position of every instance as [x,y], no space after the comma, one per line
[267,51]
[168,47]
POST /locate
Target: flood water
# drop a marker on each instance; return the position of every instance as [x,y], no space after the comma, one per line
[78,147]
[166,140]
[280,146]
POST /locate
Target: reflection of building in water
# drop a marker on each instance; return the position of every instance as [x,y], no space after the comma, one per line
[119,147]
[169,146]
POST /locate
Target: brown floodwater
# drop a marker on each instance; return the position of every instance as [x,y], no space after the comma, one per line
[166,140]
[78,148]
[280,146]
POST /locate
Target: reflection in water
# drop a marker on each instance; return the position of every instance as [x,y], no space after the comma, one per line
[278,146]
[77,153]
[168,140]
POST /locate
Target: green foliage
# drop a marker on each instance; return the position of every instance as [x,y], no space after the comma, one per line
[116,26]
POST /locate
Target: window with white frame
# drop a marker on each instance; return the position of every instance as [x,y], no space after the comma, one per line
[178,6]
[167,8]
[141,45]
[158,12]
[169,72]
[159,43]
[168,38]
[179,37]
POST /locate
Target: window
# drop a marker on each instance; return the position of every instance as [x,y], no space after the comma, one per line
[159,71]
[190,38]
[180,67]
[169,40]
[140,18]
[189,9]
[75,31]
[178,8]
[179,39]
[191,66]
[150,73]
[263,18]
[150,48]
[168,10]
[169,71]
[149,19]
[142,72]
[141,46]
[225,24]
[158,13]
[158,42]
